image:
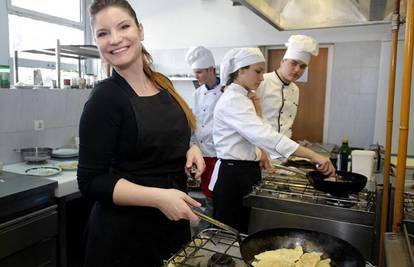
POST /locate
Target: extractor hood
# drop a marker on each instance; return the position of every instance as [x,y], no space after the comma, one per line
[308,14]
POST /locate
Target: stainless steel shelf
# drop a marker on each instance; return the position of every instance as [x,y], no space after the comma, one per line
[79,52]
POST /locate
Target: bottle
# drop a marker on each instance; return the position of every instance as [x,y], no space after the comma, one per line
[4,76]
[343,156]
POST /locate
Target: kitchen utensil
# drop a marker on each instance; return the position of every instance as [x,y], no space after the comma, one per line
[339,251]
[43,171]
[301,163]
[192,181]
[218,223]
[341,185]
[35,154]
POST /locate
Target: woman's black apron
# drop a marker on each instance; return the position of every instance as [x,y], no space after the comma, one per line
[143,236]
[235,180]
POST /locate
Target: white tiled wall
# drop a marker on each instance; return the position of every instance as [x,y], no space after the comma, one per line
[59,109]
[354,92]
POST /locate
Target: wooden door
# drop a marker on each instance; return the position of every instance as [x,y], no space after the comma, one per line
[309,119]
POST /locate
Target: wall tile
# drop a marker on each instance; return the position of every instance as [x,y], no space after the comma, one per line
[60,110]
[28,109]
[9,110]
[369,81]
[51,107]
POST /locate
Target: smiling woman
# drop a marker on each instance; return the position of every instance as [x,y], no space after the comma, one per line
[134,151]
[118,38]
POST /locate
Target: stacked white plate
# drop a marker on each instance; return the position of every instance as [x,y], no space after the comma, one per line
[64,153]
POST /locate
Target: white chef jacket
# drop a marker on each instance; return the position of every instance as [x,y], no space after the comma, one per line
[204,102]
[238,131]
[279,102]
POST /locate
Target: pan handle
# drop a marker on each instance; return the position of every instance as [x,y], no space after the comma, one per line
[286,168]
[218,223]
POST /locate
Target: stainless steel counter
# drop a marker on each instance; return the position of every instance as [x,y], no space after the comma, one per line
[286,201]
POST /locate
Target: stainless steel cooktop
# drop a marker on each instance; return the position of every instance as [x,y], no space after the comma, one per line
[298,189]
[199,252]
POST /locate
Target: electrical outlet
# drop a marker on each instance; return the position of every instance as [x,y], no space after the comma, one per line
[39,125]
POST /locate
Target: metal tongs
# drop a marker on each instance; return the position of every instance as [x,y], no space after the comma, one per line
[218,223]
[300,172]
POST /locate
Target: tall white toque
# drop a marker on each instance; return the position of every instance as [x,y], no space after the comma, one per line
[199,57]
[301,47]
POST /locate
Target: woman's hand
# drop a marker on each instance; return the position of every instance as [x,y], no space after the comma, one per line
[176,205]
[264,161]
[251,94]
[324,164]
[195,157]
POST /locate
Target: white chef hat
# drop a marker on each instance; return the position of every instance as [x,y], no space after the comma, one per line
[238,58]
[199,57]
[301,47]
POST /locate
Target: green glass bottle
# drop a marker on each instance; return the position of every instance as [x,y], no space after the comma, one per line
[343,156]
[4,76]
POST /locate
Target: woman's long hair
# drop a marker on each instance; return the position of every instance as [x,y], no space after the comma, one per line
[159,80]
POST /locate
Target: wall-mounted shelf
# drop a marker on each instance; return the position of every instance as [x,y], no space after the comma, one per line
[79,52]
[172,78]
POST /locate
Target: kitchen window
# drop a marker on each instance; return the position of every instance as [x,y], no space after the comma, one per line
[37,25]
[71,10]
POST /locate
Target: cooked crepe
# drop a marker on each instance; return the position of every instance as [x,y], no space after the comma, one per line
[272,263]
[309,259]
[285,257]
[283,254]
[324,263]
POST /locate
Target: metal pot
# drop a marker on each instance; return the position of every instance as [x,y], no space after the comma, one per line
[341,253]
[35,154]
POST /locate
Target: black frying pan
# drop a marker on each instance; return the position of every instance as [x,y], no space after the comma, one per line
[346,183]
[342,185]
[341,253]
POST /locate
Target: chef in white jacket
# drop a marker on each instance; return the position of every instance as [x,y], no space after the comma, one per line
[206,95]
[279,95]
[238,133]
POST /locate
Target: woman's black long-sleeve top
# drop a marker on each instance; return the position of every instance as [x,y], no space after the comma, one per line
[109,142]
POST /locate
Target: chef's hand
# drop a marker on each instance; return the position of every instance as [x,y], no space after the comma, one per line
[194,156]
[177,205]
[252,95]
[264,161]
[256,102]
[324,165]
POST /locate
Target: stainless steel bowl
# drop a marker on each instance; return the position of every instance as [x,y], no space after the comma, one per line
[35,154]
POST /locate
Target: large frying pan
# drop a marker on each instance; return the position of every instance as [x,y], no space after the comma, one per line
[341,185]
[341,253]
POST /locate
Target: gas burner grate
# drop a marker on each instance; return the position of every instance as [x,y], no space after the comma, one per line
[209,242]
[298,189]
[409,205]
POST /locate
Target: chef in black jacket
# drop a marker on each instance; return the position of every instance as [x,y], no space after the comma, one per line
[134,151]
